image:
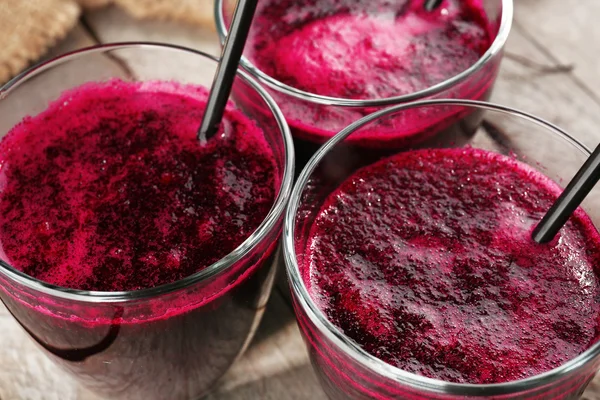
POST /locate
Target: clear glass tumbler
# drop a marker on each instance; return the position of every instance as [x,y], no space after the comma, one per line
[172,341]
[314,118]
[345,370]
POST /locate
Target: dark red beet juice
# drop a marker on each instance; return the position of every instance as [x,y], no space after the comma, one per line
[368,50]
[110,190]
[425,260]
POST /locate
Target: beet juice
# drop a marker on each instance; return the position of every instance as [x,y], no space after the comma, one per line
[425,260]
[365,50]
[110,190]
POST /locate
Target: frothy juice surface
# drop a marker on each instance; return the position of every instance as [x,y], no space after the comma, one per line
[109,189]
[363,49]
[425,260]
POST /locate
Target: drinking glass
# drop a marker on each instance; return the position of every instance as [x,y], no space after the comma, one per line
[314,118]
[345,370]
[175,340]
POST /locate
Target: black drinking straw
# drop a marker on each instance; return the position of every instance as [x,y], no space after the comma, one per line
[227,68]
[579,187]
[431,5]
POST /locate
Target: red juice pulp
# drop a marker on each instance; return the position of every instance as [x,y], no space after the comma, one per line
[110,190]
[366,49]
[425,260]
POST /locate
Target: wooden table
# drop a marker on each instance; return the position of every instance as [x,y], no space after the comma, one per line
[551,69]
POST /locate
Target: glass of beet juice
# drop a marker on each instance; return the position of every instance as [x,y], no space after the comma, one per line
[139,258]
[414,276]
[328,63]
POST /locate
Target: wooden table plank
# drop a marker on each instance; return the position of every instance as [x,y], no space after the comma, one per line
[553,96]
[567,31]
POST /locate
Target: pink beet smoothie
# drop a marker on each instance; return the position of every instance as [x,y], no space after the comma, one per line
[425,260]
[109,189]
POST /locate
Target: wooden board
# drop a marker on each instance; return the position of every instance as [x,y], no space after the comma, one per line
[567,32]
[550,95]
[276,365]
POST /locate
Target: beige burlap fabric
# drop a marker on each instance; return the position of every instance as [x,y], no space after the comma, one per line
[28,28]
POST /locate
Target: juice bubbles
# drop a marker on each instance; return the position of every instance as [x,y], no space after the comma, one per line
[426,261]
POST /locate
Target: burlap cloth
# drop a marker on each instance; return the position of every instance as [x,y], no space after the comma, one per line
[28,28]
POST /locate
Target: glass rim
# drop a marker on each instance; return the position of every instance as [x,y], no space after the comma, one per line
[495,49]
[214,269]
[353,350]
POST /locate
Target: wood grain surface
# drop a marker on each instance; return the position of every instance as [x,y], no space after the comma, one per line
[550,69]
